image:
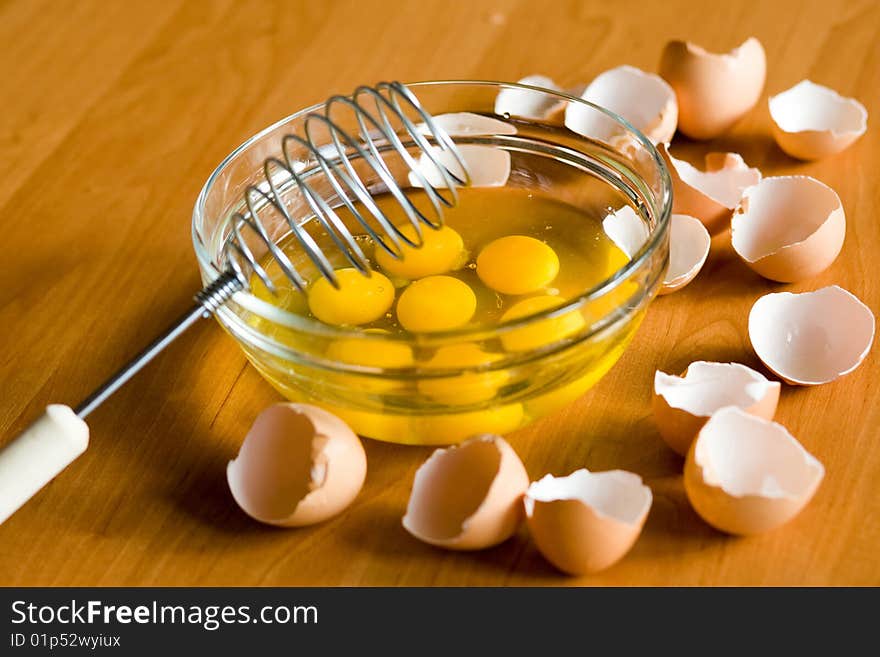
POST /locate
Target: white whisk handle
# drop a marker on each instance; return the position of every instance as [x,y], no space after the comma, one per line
[38,454]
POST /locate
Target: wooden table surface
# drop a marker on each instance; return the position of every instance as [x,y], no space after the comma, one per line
[114,115]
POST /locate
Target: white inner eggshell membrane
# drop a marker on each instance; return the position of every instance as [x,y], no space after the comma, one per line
[811,337]
[488,166]
[707,387]
[810,106]
[525,102]
[724,185]
[780,212]
[747,455]
[272,472]
[450,487]
[626,229]
[462,124]
[614,494]
[639,97]
[689,243]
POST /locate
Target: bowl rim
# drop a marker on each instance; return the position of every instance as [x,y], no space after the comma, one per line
[314,327]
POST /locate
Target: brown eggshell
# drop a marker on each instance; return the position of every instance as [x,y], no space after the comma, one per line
[811,338]
[811,121]
[689,243]
[468,497]
[586,522]
[714,91]
[709,195]
[682,405]
[745,475]
[298,465]
[788,228]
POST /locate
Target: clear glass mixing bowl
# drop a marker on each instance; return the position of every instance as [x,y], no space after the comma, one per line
[499,396]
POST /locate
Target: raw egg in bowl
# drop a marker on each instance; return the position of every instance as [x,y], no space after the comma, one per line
[515,307]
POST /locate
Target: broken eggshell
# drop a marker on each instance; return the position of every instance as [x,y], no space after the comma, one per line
[468,497]
[812,337]
[689,243]
[811,121]
[643,99]
[683,404]
[788,228]
[587,521]
[626,229]
[709,195]
[298,465]
[714,90]
[529,104]
[488,166]
[746,475]
[463,124]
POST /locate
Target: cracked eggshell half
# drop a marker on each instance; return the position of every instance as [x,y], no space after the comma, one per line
[811,121]
[709,195]
[812,337]
[643,99]
[714,90]
[746,475]
[469,496]
[689,243]
[529,104]
[298,465]
[488,166]
[788,228]
[683,404]
[587,521]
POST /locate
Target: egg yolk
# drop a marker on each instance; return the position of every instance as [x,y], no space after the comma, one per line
[436,303]
[468,387]
[517,264]
[540,332]
[441,251]
[353,351]
[358,300]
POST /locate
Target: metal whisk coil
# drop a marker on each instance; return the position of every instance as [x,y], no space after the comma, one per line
[381,116]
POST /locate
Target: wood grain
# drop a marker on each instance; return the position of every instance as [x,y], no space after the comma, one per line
[114,115]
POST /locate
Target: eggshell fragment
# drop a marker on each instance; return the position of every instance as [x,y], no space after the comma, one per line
[746,475]
[788,228]
[587,521]
[468,497]
[709,195]
[683,404]
[643,99]
[298,465]
[626,229]
[526,103]
[463,124]
[813,337]
[488,166]
[689,243]
[811,121]
[714,91]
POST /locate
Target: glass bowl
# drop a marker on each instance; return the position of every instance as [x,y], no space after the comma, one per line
[561,352]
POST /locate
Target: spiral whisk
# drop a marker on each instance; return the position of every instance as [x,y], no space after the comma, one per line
[381,114]
[385,130]
[325,168]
